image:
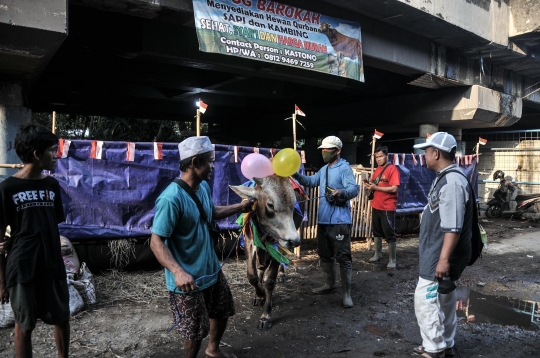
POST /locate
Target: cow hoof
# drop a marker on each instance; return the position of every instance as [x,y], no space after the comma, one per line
[265,323]
[282,278]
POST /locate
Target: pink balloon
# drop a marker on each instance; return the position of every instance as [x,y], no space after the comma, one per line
[256,165]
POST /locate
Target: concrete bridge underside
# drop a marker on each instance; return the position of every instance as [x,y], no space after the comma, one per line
[140,58]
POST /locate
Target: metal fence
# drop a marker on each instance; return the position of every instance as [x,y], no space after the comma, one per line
[516,153]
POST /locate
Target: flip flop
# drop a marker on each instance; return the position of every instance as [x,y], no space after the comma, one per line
[224,355]
[448,352]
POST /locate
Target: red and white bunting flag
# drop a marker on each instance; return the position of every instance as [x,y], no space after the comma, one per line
[414,159]
[235,154]
[303,156]
[428,135]
[298,111]
[482,141]
[158,150]
[421,158]
[97,149]
[255,150]
[130,155]
[396,159]
[458,160]
[202,106]
[403,158]
[273,152]
[63,148]
[378,135]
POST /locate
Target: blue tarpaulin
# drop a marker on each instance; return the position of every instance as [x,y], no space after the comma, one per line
[111,197]
[416,179]
[114,198]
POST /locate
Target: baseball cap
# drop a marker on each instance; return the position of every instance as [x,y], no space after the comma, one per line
[440,140]
[194,145]
[331,142]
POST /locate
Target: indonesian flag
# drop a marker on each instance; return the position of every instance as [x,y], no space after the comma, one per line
[63,148]
[396,159]
[414,159]
[298,111]
[482,141]
[378,135]
[130,155]
[97,149]
[158,150]
[202,106]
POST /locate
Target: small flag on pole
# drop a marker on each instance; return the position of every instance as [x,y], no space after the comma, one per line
[378,135]
[482,141]
[298,111]
[202,106]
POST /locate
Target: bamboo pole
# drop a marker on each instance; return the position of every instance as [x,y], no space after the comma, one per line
[54,122]
[12,166]
[198,122]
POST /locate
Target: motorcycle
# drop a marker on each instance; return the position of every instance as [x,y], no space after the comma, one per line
[501,198]
[528,206]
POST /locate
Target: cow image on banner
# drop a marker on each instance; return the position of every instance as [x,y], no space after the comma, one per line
[280,34]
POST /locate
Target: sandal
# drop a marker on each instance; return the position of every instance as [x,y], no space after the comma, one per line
[448,352]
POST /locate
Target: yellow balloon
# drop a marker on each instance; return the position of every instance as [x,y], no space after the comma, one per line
[286,162]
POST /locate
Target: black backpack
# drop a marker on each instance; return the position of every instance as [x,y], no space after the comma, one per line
[478,233]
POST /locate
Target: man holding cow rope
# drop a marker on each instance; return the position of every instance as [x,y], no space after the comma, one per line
[199,296]
[337,187]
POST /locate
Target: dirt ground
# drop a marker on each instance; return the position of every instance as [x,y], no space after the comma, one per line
[382,322]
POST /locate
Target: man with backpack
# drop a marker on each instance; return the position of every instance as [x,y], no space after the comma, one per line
[444,247]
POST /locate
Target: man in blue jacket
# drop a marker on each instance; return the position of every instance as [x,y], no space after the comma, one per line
[337,187]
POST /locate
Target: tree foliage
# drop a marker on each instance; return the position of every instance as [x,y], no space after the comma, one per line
[70,126]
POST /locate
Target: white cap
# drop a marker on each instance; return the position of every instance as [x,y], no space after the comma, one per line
[194,145]
[331,142]
[440,140]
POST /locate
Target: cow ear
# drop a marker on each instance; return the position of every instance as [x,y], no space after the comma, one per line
[245,192]
[258,181]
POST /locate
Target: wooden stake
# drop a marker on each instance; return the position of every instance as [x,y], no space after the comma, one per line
[198,122]
[294,130]
[54,122]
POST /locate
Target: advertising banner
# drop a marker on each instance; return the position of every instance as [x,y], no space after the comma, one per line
[277,33]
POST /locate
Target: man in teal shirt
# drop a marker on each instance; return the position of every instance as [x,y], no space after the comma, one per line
[199,296]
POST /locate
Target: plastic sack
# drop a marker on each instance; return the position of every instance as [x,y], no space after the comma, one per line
[71,260]
[85,285]
[7,319]
[76,302]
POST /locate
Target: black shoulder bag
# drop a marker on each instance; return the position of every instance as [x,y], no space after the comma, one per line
[212,225]
[376,182]
[479,236]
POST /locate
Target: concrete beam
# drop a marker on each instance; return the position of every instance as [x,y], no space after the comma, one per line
[30,34]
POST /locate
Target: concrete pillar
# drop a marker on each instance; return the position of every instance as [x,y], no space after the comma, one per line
[12,115]
[423,131]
